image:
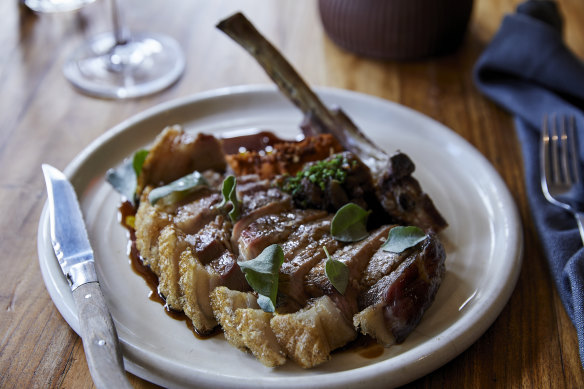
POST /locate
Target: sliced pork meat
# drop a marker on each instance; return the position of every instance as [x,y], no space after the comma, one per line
[302,251]
[194,213]
[149,222]
[355,256]
[381,264]
[272,228]
[189,216]
[225,265]
[394,305]
[325,324]
[309,335]
[225,302]
[246,326]
[193,247]
[171,244]
[187,245]
[176,153]
[212,240]
[196,283]
[258,201]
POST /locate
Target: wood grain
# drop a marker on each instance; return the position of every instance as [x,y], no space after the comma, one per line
[42,119]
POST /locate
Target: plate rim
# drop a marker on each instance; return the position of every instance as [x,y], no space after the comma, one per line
[423,365]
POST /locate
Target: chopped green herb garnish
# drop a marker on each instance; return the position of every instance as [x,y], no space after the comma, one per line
[401,238]
[319,173]
[262,273]
[350,223]
[179,188]
[229,191]
[337,272]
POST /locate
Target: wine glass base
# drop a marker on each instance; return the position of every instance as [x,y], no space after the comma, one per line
[146,64]
[50,6]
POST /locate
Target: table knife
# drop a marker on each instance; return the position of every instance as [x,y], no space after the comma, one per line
[75,255]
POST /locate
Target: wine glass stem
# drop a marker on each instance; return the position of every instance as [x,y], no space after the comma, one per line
[120,31]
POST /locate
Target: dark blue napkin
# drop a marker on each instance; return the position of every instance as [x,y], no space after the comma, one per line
[528,70]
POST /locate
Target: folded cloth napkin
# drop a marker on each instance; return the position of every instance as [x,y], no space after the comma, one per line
[528,70]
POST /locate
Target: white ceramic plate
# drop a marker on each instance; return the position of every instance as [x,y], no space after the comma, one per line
[483,241]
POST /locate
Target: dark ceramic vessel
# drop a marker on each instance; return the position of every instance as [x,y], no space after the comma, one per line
[396,29]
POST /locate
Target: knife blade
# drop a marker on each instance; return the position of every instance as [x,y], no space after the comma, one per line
[75,255]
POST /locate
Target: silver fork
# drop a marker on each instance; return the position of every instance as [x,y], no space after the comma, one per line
[561,180]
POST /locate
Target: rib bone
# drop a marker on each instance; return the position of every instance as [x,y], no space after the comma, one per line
[335,122]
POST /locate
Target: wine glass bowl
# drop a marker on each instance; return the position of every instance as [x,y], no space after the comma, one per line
[120,65]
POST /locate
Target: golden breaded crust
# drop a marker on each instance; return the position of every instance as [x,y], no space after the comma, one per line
[253,325]
[149,222]
[224,303]
[170,246]
[309,335]
[370,322]
[196,283]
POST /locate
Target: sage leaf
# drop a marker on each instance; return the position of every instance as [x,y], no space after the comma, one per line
[261,273]
[266,304]
[229,191]
[337,272]
[124,177]
[178,188]
[138,161]
[350,223]
[401,238]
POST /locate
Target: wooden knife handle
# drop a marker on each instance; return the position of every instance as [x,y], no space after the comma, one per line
[100,339]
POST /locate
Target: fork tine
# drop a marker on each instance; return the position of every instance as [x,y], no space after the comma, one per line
[555,158]
[573,150]
[564,153]
[544,153]
[559,187]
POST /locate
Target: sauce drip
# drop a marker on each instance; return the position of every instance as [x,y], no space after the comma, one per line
[127,214]
[364,346]
[372,351]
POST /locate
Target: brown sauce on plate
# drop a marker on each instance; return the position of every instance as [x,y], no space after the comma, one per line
[364,346]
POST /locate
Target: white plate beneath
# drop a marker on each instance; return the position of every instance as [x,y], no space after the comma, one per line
[484,245]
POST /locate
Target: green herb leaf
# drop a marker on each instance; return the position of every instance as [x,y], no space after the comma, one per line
[266,303]
[401,238]
[179,188]
[261,274]
[350,223]
[138,160]
[337,272]
[229,190]
[123,178]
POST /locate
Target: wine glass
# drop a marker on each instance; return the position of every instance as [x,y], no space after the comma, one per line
[121,65]
[56,5]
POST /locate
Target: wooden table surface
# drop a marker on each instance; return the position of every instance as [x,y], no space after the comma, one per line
[43,119]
